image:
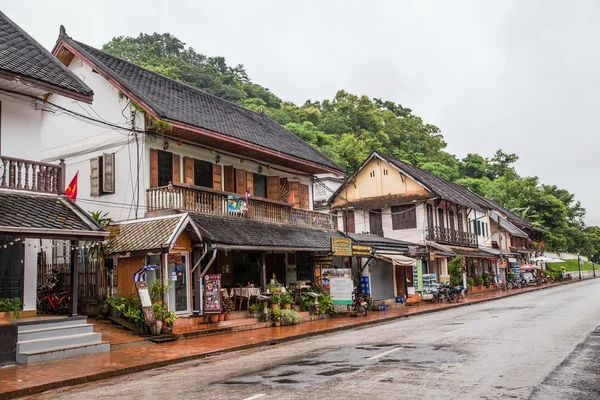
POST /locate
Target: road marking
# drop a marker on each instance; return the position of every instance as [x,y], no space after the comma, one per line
[385,353]
[256,396]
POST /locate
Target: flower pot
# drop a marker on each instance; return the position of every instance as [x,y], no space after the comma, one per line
[274,306]
[227,317]
[156,327]
[287,306]
[214,318]
[277,323]
[221,317]
[115,313]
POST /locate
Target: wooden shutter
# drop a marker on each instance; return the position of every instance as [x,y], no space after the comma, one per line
[240,181]
[153,168]
[177,168]
[304,196]
[284,190]
[95,176]
[188,170]
[217,177]
[349,225]
[294,194]
[229,178]
[250,182]
[273,187]
[108,173]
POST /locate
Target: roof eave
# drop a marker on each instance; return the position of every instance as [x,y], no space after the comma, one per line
[50,88]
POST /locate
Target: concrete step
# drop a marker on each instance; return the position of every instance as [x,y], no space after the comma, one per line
[57,353]
[46,333]
[38,345]
[50,323]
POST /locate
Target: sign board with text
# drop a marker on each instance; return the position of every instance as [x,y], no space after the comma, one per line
[359,250]
[341,247]
[145,301]
[338,282]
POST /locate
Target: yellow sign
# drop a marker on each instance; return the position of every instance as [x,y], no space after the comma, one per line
[341,247]
[358,250]
[432,255]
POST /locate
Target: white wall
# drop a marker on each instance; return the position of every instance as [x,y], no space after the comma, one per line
[78,141]
[20,129]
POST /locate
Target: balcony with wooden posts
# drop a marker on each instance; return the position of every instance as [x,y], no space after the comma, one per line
[20,174]
[451,236]
[185,197]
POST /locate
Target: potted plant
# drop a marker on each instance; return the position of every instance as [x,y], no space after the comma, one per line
[254,309]
[470,283]
[276,316]
[491,280]
[229,306]
[10,308]
[159,314]
[286,299]
[479,282]
[116,305]
[275,299]
[221,317]
[213,318]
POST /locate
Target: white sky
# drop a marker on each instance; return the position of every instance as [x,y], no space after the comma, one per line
[518,75]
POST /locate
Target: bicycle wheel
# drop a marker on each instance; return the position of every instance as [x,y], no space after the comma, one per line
[363,310]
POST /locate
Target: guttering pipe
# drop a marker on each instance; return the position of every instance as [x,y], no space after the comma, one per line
[209,263]
[201,258]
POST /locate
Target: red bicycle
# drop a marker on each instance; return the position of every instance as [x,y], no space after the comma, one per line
[49,299]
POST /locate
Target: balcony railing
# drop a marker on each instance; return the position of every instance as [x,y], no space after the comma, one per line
[210,201]
[19,174]
[451,236]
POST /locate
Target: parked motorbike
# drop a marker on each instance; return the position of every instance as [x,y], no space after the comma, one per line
[50,299]
[359,304]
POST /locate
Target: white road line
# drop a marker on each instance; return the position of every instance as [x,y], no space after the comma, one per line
[385,353]
[256,396]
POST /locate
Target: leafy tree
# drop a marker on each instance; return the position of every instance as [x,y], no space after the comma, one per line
[473,166]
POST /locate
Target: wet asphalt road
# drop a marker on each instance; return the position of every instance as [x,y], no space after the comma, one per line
[538,345]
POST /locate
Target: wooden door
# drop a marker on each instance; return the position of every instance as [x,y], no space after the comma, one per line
[11,269]
[400,281]
[375,223]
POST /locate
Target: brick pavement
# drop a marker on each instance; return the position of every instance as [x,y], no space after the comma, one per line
[23,380]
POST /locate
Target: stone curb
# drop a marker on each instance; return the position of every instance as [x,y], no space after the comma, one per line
[159,364]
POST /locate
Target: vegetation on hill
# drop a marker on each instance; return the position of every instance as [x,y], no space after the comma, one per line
[349,127]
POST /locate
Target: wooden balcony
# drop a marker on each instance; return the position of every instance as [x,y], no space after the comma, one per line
[19,174]
[451,236]
[198,199]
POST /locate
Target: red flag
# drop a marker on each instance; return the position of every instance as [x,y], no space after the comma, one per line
[71,190]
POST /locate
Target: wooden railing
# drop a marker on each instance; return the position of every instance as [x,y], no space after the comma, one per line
[210,201]
[451,236]
[19,174]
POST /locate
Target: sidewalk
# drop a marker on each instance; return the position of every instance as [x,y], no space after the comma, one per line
[24,380]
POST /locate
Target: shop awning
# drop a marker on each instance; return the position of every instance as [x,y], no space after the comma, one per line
[150,234]
[380,243]
[440,251]
[397,259]
[472,252]
[247,234]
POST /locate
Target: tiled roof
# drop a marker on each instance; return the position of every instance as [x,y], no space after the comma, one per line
[247,232]
[506,224]
[143,234]
[374,203]
[42,211]
[20,54]
[444,189]
[176,101]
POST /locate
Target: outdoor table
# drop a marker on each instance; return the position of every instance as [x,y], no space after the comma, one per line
[244,293]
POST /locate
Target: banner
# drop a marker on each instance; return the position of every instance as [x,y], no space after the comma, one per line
[418,276]
[338,282]
[212,293]
[236,204]
[359,250]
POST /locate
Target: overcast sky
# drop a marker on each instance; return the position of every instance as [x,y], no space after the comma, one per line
[523,76]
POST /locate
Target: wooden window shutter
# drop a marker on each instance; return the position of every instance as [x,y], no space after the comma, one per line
[250,182]
[284,190]
[177,168]
[304,196]
[240,181]
[273,187]
[217,177]
[95,176]
[294,194]
[188,170]
[229,178]
[108,173]
[153,168]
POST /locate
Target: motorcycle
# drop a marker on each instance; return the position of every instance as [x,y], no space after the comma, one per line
[50,299]
[359,304]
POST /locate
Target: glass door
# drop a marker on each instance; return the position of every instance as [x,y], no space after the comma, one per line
[179,290]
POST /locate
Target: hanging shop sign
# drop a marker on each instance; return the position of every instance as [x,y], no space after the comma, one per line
[432,255]
[174,258]
[324,260]
[502,264]
[338,283]
[212,293]
[236,204]
[145,301]
[341,247]
[412,251]
[359,250]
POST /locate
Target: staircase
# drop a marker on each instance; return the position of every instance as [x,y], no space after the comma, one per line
[56,338]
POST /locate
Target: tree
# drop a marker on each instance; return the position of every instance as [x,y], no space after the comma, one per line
[473,166]
[501,163]
[95,253]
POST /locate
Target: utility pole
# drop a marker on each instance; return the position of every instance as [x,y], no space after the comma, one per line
[579,266]
[593,269]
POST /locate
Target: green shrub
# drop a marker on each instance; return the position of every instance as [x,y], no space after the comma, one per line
[159,311]
[290,317]
[326,305]
[132,310]
[277,315]
[158,291]
[479,281]
[12,306]
[275,299]
[455,271]
[470,282]
[264,316]
[228,305]
[307,303]
[116,303]
[286,298]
